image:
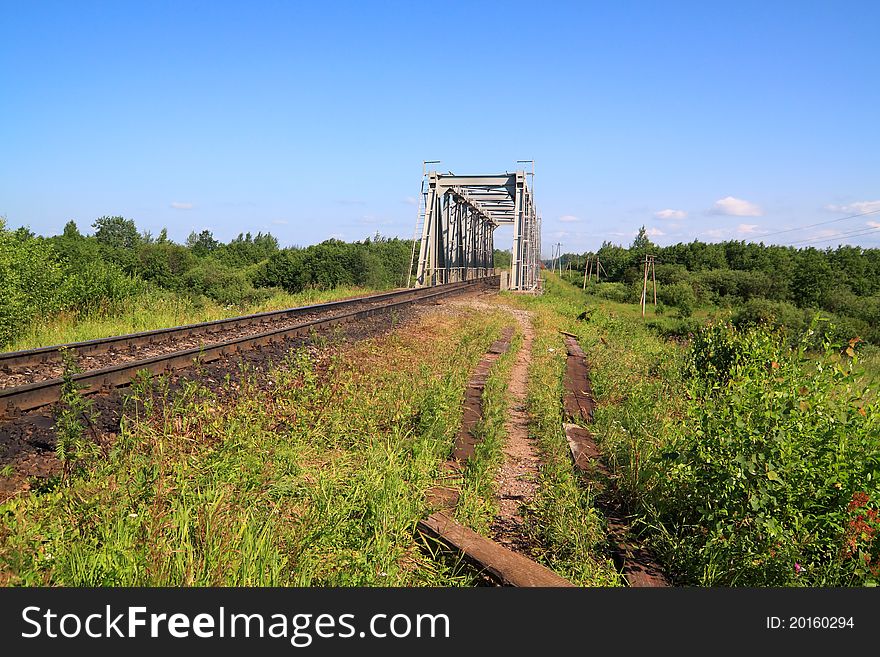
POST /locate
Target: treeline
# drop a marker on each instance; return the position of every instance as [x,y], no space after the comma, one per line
[776,285]
[82,274]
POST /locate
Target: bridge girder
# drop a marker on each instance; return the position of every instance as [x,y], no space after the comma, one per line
[461,214]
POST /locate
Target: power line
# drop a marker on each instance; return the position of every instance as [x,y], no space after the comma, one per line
[852,233]
[822,223]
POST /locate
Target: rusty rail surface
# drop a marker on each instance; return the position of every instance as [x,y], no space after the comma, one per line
[40,393]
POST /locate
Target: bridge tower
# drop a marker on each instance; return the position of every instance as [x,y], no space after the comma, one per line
[460,215]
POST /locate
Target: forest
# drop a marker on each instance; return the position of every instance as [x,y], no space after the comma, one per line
[77,276]
[779,286]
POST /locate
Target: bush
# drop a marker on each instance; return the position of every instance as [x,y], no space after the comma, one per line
[611,291]
[681,328]
[680,295]
[30,277]
[227,286]
[776,466]
[95,284]
[378,263]
[773,314]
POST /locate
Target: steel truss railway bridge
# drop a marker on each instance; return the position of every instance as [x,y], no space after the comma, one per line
[459,215]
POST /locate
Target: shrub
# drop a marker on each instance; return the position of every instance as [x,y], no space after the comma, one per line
[223,284]
[611,291]
[680,295]
[773,314]
[30,278]
[777,448]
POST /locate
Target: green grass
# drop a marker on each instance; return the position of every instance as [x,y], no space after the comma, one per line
[562,518]
[477,504]
[663,320]
[155,311]
[737,481]
[870,363]
[318,479]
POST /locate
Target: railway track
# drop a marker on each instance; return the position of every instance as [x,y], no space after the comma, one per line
[112,362]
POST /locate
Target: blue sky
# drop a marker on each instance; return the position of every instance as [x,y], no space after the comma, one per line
[311,120]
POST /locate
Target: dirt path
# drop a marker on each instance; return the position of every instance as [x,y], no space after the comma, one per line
[518,478]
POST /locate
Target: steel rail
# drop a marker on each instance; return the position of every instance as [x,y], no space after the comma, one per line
[43,355]
[41,393]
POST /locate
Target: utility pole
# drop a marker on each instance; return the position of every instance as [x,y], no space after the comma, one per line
[594,266]
[649,263]
[586,266]
[654,279]
[559,257]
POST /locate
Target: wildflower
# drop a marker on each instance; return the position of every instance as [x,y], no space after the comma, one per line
[859,500]
[797,568]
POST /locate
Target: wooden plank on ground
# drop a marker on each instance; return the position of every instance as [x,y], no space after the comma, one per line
[502,564]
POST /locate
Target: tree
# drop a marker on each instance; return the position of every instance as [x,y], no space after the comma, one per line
[202,244]
[812,278]
[614,260]
[641,242]
[116,232]
[71,231]
[24,233]
[503,258]
[163,237]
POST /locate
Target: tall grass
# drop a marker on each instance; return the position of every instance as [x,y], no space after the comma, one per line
[746,460]
[562,518]
[477,504]
[315,476]
[155,310]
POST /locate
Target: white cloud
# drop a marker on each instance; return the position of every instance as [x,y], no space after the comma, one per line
[410,200]
[178,205]
[654,232]
[746,228]
[874,224]
[568,218]
[736,207]
[279,222]
[336,236]
[859,207]
[671,214]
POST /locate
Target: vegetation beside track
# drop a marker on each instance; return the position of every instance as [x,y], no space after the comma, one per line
[562,517]
[477,504]
[743,459]
[72,287]
[149,311]
[753,283]
[316,477]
